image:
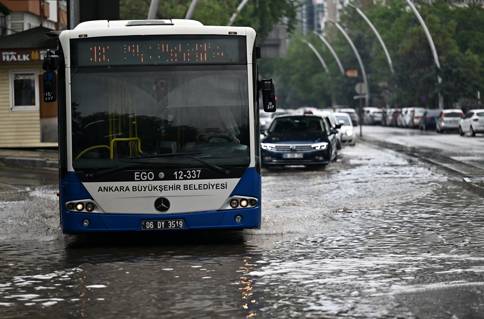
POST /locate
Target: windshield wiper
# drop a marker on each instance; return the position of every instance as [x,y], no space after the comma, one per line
[213,167]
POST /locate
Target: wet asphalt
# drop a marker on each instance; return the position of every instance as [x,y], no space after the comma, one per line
[376,234]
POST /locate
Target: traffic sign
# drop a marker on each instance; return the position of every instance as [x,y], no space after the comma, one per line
[360,88]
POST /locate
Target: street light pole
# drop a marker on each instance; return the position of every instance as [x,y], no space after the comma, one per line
[316,53]
[152,12]
[362,68]
[191,9]
[333,52]
[432,47]
[323,64]
[378,36]
[237,11]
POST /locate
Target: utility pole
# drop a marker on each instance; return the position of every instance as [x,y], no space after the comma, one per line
[153,11]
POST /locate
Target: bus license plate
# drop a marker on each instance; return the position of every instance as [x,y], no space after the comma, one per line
[293,155]
[163,224]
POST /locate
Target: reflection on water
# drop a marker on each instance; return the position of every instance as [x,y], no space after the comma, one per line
[118,276]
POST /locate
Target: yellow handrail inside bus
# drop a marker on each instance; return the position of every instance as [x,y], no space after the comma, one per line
[84,151]
[125,139]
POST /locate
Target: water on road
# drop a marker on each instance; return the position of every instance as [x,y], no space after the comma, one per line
[375,235]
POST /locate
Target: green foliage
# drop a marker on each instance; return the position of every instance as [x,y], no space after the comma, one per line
[458,33]
[262,15]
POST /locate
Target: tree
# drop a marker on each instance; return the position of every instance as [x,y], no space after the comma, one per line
[262,15]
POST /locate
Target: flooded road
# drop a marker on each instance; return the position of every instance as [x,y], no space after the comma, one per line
[375,235]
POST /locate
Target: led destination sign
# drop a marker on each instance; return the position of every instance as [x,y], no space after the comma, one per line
[158,50]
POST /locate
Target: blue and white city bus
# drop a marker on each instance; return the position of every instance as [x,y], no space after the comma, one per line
[158,126]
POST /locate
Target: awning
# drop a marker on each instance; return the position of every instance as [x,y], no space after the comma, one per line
[35,38]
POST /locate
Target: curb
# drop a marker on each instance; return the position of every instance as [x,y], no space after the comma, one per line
[475,185]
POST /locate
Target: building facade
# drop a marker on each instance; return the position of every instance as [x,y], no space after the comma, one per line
[25,119]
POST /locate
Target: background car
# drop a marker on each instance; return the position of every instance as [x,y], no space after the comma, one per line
[355,119]
[472,123]
[416,114]
[265,120]
[427,122]
[346,129]
[448,120]
[372,115]
[401,122]
[299,140]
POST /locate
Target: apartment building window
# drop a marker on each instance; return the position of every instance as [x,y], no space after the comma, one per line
[16,23]
[24,91]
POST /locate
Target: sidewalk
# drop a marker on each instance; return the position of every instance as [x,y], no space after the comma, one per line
[29,158]
[462,156]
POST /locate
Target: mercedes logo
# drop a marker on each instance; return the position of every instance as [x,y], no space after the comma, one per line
[162,204]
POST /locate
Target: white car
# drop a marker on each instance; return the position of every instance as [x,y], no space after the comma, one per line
[346,130]
[265,120]
[448,120]
[416,115]
[472,123]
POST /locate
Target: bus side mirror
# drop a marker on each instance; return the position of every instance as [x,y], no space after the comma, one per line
[49,77]
[268,95]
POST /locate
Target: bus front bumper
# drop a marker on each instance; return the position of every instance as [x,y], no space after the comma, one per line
[77,223]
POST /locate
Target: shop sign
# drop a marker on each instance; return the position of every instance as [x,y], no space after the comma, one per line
[21,56]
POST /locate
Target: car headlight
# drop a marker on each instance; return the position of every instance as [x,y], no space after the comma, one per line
[268,146]
[320,146]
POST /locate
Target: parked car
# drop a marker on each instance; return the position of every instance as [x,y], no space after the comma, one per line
[416,114]
[355,119]
[346,130]
[428,120]
[329,115]
[299,140]
[401,121]
[449,120]
[394,117]
[472,123]
[372,115]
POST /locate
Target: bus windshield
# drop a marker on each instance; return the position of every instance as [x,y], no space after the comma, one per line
[147,115]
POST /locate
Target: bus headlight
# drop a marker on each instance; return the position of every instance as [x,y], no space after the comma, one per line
[234,203]
[83,205]
[237,202]
[320,146]
[90,206]
[268,146]
[244,203]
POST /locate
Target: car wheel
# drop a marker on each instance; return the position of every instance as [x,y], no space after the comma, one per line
[472,132]
[461,132]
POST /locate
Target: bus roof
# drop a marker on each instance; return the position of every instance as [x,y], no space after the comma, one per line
[108,24]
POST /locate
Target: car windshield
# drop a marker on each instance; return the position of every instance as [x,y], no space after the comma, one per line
[453,114]
[135,113]
[343,119]
[480,114]
[298,127]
